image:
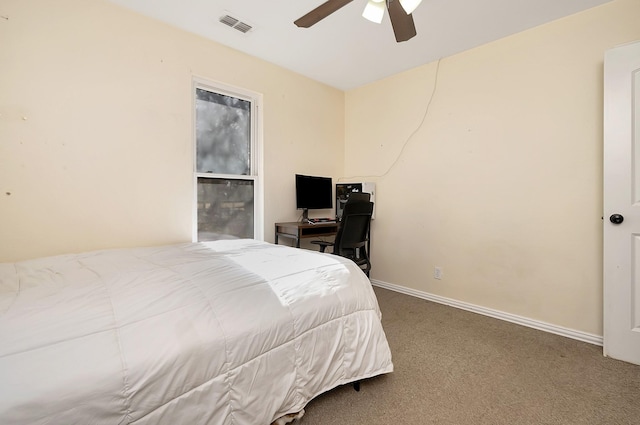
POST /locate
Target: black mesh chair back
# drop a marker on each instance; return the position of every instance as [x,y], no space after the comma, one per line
[353,197]
[359,196]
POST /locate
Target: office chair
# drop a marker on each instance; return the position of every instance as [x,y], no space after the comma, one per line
[353,234]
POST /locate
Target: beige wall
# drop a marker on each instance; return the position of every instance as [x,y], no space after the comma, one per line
[501,184]
[95,127]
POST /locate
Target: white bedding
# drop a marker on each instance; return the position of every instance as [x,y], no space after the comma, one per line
[225,332]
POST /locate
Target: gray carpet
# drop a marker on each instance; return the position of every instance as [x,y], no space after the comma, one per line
[457,367]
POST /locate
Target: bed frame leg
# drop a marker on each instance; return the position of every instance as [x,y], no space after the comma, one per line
[356,385]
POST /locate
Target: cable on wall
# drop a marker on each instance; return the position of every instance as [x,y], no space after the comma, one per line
[415,131]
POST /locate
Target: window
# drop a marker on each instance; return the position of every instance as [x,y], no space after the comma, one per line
[227,163]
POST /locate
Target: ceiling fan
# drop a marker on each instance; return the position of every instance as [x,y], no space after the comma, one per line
[399,14]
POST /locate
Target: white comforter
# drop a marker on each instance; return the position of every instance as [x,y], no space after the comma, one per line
[226,332]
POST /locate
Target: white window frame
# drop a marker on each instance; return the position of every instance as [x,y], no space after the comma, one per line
[256,174]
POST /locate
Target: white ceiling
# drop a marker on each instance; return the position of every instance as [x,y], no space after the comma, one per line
[345,50]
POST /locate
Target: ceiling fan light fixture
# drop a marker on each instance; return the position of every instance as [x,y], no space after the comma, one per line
[374,11]
[401,22]
[410,5]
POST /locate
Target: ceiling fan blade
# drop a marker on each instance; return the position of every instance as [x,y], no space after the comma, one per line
[403,26]
[321,12]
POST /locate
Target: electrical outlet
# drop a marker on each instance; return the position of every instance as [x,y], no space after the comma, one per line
[437,273]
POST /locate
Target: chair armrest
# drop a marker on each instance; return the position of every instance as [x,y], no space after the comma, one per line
[323,244]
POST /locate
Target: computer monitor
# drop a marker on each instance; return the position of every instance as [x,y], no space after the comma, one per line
[313,193]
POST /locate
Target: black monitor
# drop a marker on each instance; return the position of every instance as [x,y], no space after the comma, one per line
[313,193]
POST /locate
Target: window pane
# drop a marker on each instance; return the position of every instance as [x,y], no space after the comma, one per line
[225,208]
[223,134]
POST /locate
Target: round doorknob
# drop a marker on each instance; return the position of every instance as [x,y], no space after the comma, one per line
[616,218]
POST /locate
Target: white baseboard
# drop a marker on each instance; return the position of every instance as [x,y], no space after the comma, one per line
[524,321]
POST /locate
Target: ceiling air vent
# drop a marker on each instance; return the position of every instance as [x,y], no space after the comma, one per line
[235,23]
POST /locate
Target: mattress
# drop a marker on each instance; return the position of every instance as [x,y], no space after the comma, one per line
[224,332]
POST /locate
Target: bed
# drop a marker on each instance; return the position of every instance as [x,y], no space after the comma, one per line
[224,332]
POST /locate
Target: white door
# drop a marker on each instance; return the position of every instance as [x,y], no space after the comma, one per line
[622,203]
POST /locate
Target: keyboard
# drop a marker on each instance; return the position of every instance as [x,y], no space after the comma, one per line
[321,220]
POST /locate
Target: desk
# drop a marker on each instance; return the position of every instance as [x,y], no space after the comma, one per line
[296,230]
